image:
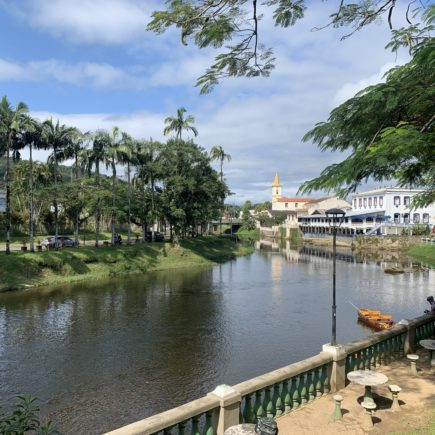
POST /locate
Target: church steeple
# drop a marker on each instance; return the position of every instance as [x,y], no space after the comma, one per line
[276,188]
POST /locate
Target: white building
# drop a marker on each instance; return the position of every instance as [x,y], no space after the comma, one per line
[380,211]
[294,207]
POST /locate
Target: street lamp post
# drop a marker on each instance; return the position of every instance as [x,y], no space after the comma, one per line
[335,219]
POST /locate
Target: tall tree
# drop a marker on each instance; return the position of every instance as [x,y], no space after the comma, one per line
[128,158]
[180,123]
[12,120]
[115,153]
[73,150]
[235,26]
[92,158]
[57,137]
[218,153]
[387,131]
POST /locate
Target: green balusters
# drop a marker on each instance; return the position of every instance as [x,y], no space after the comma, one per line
[348,364]
[318,381]
[285,396]
[258,406]
[354,361]
[195,425]
[167,431]
[373,357]
[310,385]
[402,345]
[181,428]
[303,389]
[277,401]
[397,343]
[294,393]
[268,404]
[208,427]
[248,414]
[381,353]
[325,377]
[363,359]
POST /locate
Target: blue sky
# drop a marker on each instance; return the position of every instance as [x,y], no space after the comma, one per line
[91,64]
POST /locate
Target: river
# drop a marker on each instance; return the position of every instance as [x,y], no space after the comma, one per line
[99,355]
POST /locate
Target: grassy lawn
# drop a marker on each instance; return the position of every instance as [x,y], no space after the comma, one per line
[424,253]
[20,270]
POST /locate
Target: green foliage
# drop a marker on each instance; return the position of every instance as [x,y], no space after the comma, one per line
[25,420]
[387,131]
[416,230]
[234,25]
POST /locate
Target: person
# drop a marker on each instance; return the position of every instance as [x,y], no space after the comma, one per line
[119,239]
[431,300]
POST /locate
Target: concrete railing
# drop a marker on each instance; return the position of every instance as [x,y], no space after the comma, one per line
[288,388]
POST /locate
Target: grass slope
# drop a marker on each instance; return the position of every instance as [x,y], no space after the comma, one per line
[424,253]
[20,270]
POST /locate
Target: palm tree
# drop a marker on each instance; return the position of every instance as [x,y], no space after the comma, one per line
[11,121]
[73,150]
[128,157]
[91,158]
[115,153]
[57,137]
[218,153]
[31,137]
[180,123]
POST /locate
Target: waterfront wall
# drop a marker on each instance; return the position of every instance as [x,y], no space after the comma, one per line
[288,388]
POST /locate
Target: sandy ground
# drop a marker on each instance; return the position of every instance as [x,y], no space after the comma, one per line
[417,411]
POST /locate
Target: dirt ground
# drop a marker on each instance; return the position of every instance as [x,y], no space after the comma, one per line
[416,414]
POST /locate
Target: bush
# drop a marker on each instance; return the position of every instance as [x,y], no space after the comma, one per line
[24,420]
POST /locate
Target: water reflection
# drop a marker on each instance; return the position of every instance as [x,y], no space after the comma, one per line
[103,354]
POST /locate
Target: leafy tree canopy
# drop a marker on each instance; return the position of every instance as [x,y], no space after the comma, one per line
[233,26]
[386,129]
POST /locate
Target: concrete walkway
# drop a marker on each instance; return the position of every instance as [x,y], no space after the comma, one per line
[417,411]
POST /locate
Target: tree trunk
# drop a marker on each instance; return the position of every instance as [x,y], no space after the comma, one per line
[113,201]
[152,208]
[129,203]
[77,219]
[31,235]
[56,207]
[8,199]
[97,211]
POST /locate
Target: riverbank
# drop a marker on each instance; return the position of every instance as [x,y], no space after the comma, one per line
[424,253]
[23,270]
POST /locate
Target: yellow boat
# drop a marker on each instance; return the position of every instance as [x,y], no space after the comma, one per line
[375,319]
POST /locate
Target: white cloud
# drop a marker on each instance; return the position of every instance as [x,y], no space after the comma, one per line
[97,75]
[348,90]
[87,21]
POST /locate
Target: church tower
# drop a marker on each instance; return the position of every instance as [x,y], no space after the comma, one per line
[276,189]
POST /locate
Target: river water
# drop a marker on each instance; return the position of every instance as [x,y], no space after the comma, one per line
[99,355]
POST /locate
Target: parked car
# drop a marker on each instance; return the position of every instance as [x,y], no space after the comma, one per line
[63,242]
[158,237]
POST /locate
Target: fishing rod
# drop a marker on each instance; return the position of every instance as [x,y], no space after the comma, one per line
[353,305]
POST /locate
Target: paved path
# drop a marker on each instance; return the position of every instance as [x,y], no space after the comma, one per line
[417,400]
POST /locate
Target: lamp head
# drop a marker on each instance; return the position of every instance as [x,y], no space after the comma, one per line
[335,216]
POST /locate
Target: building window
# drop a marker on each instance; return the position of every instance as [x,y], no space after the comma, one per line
[360,203]
[354,203]
[365,202]
[425,218]
[370,202]
[416,218]
[397,201]
[296,205]
[381,201]
[397,218]
[375,201]
[276,191]
[406,200]
[406,218]
[286,205]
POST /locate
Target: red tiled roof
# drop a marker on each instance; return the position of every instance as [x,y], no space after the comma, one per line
[295,200]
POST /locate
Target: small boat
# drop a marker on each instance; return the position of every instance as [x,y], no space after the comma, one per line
[375,319]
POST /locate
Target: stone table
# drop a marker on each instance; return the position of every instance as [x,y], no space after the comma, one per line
[368,378]
[429,345]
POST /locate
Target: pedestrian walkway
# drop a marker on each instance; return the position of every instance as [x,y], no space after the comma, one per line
[416,414]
